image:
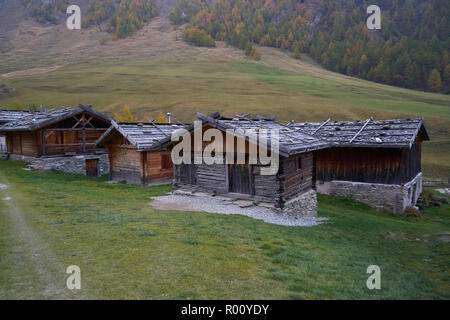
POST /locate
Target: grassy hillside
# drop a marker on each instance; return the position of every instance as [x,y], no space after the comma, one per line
[186,87]
[126,249]
[155,71]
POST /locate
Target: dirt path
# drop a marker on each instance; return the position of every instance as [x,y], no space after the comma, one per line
[29,72]
[48,271]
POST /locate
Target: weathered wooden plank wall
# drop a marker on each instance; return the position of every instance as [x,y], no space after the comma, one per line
[22,143]
[125,163]
[212,177]
[159,165]
[267,187]
[373,165]
[296,175]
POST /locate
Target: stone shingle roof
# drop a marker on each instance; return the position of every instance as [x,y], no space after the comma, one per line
[144,136]
[12,115]
[291,140]
[37,120]
[395,133]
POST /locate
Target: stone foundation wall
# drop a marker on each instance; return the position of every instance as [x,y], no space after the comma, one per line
[392,197]
[71,164]
[2,144]
[302,206]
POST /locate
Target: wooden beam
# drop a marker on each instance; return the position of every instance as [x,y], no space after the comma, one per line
[320,127]
[363,127]
[83,138]
[43,141]
[78,122]
[48,135]
[68,144]
[88,122]
[164,133]
[78,129]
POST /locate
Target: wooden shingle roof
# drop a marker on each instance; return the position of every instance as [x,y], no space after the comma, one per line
[12,115]
[291,140]
[395,133]
[37,120]
[144,136]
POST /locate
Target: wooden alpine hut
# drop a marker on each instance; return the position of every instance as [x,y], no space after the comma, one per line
[375,162]
[289,189]
[135,153]
[8,116]
[62,139]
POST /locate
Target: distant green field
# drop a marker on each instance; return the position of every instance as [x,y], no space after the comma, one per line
[128,250]
[185,87]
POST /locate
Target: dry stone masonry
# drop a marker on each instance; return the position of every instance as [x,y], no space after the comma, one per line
[70,164]
[393,197]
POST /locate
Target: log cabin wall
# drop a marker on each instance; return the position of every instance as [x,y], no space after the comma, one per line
[22,143]
[293,179]
[56,142]
[212,177]
[267,187]
[372,165]
[296,175]
[76,134]
[202,177]
[287,184]
[60,142]
[157,166]
[125,164]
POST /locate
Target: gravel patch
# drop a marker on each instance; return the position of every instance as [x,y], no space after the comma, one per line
[444,191]
[224,206]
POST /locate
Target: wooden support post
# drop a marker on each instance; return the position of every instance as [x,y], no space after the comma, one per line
[314,171]
[43,142]
[83,137]
[83,132]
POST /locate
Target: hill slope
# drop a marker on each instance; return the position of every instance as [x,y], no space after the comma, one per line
[411,48]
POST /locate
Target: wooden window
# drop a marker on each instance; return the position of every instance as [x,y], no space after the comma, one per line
[166,161]
[299,163]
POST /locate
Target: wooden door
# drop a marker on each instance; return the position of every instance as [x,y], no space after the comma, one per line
[17,143]
[241,179]
[187,173]
[92,168]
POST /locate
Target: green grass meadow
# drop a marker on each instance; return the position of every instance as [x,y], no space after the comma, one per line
[187,87]
[128,250]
